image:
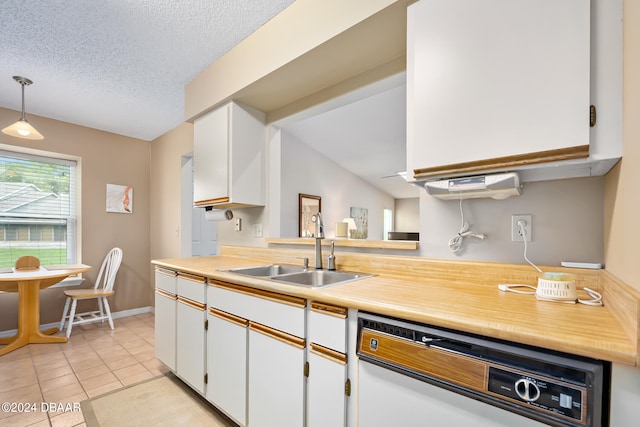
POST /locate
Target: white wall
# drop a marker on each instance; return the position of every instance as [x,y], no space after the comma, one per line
[568,224]
[407,215]
[304,170]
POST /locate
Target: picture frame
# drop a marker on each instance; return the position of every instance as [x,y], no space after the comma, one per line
[308,205]
[119,198]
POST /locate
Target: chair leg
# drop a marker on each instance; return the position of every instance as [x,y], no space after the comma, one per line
[101,309]
[64,313]
[71,317]
[108,310]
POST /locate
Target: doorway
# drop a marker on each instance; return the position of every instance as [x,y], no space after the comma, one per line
[199,236]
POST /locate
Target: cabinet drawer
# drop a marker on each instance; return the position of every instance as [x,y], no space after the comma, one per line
[328,326]
[192,287]
[268,308]
[166,280]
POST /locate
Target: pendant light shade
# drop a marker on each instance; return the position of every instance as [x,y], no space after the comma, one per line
[22,128]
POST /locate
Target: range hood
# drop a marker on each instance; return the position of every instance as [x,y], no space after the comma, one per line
[496,186]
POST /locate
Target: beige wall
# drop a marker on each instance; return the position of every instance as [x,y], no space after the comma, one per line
[166,164]
[622,191]
[106,158]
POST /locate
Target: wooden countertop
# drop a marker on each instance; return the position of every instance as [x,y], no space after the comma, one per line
[466,303]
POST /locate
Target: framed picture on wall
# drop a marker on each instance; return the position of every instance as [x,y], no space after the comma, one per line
[308,206]
[119,198]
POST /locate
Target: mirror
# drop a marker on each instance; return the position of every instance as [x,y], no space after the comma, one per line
[308,206]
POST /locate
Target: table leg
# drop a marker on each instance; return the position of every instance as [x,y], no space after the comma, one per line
[29,319]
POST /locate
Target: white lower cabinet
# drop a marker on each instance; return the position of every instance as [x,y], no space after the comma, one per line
[227,364]
[190,343]
[326,399]
[165,317]
[256,372]
[165,328]
[328,385]
[276,378]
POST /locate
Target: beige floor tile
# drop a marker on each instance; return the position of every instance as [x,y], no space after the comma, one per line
[8,384]
[129,371]
[135,379]
[58,382]
[64,392]
[74,350]
[25,419]
[104,389]
[92,372]
[16,368]
[27,394]
[54,372]
[145,355]
[94,361]
[46,359]
[37,349]
[121,362]
[99,380]
[67,419]
[82,364]
[21,353]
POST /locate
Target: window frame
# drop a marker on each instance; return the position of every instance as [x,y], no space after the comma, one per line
[77,199]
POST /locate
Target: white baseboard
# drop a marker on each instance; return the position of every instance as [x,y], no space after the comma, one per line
[114,315]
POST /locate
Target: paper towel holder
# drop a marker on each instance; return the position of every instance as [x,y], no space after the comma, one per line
[218,214]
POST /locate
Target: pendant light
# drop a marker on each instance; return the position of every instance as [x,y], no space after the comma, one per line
[22,128]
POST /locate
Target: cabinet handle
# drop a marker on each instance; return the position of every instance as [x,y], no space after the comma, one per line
[577,152]
[331,310]
[327,353]
[192,277]
[278,335]
[259,293]
[166,271]
[166,294]
[228,317]
[211,201]
[192,304]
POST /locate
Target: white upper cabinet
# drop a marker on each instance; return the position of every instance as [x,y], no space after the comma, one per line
[228,157]
[502,84]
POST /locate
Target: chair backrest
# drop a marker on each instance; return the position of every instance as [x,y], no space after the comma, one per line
[27,262]
[109,269]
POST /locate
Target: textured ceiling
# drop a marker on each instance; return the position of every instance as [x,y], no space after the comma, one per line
[117,65]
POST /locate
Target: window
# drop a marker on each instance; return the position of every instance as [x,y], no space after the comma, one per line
[37,208]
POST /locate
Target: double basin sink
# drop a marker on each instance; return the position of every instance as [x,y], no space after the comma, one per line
[294,275]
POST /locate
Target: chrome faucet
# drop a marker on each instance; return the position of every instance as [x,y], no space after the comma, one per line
[317,219]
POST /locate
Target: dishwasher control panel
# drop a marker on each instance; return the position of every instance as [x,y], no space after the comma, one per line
[540,393]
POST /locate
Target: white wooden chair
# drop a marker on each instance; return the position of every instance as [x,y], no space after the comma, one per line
[102,289]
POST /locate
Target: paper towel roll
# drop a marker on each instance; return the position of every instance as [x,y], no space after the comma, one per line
[218,215]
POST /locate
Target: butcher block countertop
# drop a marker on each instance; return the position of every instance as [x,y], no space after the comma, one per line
[459,295]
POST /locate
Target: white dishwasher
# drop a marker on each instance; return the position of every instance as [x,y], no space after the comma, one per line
[416,375]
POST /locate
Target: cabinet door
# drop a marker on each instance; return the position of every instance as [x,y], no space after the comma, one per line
[210,155]
[227,364]
[165,328]
[326,391]
[496,78]
[276,378]
[190,343]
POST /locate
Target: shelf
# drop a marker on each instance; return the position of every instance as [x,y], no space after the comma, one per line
[349,243]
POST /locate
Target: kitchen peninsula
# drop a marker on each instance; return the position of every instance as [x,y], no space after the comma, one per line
[457,295]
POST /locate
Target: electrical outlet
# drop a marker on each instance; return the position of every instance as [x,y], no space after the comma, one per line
[516,232]
[238,224]
[257,230]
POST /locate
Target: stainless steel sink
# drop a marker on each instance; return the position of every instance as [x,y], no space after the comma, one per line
[268,270]
[295,275]
[318,278]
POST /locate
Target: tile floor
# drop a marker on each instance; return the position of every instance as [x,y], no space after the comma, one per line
[96,360]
